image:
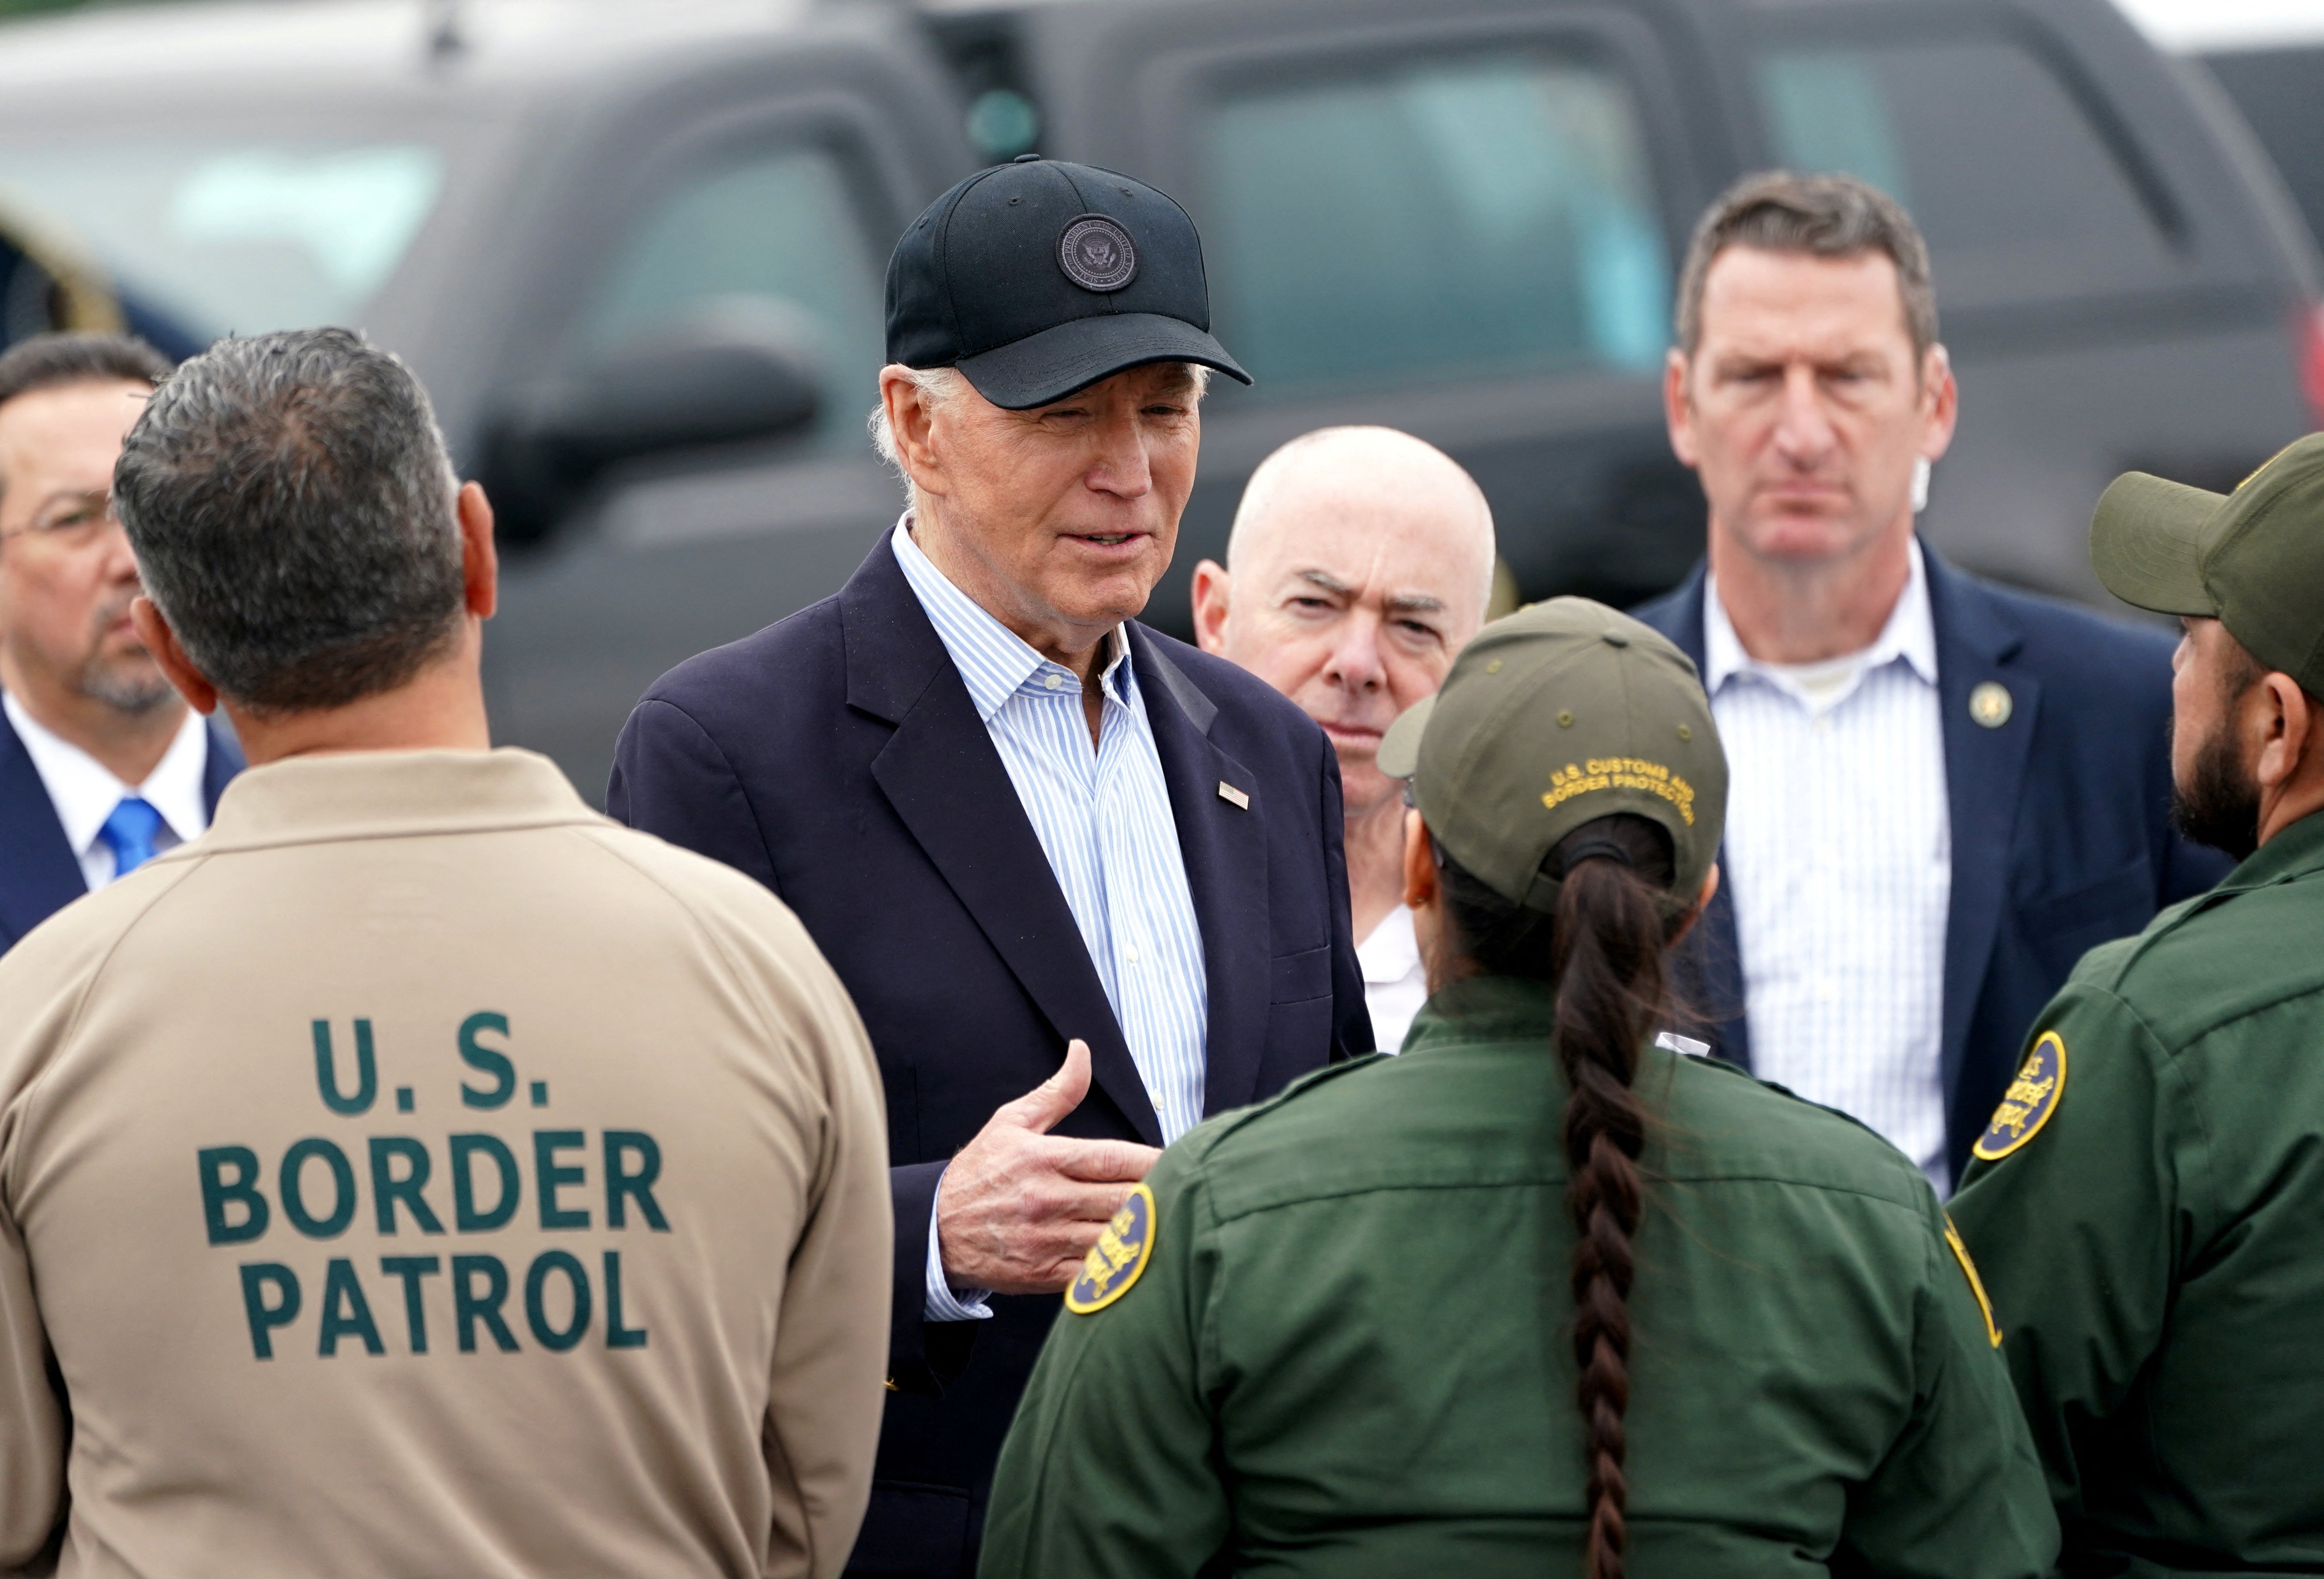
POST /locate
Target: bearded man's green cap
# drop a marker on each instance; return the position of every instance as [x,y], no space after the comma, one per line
[2252,560]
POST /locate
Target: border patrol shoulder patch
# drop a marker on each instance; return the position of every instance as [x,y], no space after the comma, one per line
[2032,1097]
[1121,1252]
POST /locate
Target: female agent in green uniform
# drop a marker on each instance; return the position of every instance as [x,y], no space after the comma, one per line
[1539,1296]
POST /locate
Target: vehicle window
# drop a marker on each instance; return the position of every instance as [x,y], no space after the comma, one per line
[240,237]
[777,234]
[1435,218]
[2281,92]
[2018,196]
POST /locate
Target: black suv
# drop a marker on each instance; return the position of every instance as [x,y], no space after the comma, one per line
[636,254]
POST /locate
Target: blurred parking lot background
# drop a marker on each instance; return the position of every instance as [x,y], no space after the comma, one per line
[636,250]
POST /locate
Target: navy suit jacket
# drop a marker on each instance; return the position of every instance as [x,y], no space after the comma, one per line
[2061,836]
[836,757]
[40,875]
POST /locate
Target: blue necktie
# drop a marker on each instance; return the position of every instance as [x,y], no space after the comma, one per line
[129,833]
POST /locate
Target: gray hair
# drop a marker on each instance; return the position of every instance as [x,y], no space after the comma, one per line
[940,387]
[291,507]
[1823,216]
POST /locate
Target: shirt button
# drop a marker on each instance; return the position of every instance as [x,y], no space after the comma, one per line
[1054,681]
[1823,723]
[1131,953]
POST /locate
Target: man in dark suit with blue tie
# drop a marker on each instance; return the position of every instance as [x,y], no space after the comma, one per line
[1084,883]
[1943,792]
[102,765]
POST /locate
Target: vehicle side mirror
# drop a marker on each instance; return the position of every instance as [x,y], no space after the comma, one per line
[690,385]
[49,283]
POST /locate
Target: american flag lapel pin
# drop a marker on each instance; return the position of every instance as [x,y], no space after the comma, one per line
[1240,799]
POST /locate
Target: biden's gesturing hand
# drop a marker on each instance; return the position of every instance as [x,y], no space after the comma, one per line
[1018,1207]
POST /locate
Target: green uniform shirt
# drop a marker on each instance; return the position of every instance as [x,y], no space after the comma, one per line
[2148,1212]
[1345,1351]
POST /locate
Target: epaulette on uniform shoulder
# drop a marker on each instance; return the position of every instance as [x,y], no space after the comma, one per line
[1304,1084]
[2114,960]
[1741,1073]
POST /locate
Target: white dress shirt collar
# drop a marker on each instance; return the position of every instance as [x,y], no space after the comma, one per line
[1396,984]
[1910,634]
[994,662]
[1101,809]
[84,791]
[1839,846]
[1392,952]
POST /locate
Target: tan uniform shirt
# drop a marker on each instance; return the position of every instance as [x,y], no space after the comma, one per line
[421,1175]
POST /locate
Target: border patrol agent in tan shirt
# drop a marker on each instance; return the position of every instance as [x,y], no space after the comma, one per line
[419,1174]
[2146,1200]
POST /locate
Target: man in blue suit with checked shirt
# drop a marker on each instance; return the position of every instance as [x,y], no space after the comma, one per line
[102,765]
[1944,791]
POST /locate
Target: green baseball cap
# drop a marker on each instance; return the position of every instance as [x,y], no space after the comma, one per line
[1559,714]
[2252,560]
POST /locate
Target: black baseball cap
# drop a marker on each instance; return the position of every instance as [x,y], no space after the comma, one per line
[1039,278]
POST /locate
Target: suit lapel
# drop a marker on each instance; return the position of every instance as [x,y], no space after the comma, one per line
[1984,769]
[1223,846]
[1710,963]
[942,774]
[1711,977]
[1683,621]
[39,873]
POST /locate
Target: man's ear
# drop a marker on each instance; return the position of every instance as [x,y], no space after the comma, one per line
[1420,884]
[163,643]
[1210,587]
[912,423]
[1941,396]
[480,563]
[1701,903]
[1676,412]
[2285,722]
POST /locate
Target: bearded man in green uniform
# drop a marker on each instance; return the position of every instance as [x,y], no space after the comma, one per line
[1541,1296]
[2148,1201]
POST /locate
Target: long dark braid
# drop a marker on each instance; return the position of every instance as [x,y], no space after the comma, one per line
[1604,951]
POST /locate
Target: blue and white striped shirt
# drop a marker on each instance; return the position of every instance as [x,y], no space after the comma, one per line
[1840,843]
[1104,818]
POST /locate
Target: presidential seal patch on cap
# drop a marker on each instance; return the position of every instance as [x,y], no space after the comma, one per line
[1097,254]
[1119,1254]
[2032,1097]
